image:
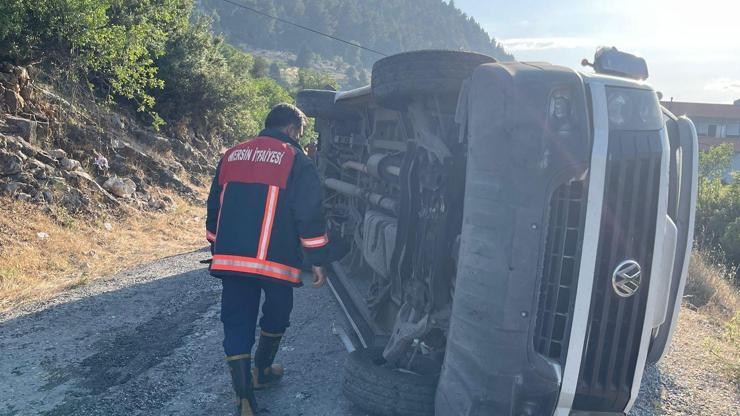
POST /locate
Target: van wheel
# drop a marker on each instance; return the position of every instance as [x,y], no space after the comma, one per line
[383,391]
[398,78]
[320,104]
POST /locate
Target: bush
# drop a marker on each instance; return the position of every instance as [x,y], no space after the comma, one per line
[718,205]
[208,83]
[151,53]
[111,43]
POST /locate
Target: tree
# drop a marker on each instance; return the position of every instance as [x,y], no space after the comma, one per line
[352,79]
[364,77]
[310,79]
[385,25]
[275,73]
[305,58]
[260,67]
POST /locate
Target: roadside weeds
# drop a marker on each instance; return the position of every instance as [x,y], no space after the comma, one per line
[709,291]
[43,254]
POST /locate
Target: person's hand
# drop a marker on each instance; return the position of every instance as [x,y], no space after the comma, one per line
[319,277]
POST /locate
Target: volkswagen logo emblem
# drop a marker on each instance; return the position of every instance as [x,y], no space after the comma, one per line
[626,278]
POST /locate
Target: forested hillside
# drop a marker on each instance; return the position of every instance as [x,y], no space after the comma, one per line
[389,26]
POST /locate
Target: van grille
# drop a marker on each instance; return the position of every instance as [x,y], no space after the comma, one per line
[567,213]
[627,232]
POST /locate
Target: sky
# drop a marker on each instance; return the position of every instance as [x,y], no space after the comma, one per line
[692,48]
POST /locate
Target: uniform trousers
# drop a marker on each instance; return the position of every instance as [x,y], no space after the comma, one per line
[240,301]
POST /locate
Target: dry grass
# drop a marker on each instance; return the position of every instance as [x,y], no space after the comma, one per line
[709,286]
[709,289]
[79,250]
[726,349]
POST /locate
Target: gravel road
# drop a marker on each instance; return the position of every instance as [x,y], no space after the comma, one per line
[148,342]
[689,381]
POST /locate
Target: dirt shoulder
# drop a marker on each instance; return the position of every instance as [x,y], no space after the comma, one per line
[45,253]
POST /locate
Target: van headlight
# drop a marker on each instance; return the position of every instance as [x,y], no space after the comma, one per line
[633,109]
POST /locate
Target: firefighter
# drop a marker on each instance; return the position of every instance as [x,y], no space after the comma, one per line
[265,221]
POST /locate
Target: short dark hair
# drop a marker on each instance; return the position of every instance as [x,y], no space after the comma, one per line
[284,115]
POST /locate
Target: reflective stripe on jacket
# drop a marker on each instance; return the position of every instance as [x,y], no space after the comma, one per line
[265,211]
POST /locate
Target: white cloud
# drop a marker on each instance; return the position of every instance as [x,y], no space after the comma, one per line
[538,44]
[724,85]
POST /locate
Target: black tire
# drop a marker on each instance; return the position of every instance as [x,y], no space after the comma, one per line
[320,104]
[382,391]
[398,78]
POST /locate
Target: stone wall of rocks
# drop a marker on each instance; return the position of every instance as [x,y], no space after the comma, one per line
[55,152]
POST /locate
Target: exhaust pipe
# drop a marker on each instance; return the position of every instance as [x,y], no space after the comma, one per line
[377,165]
[357,192]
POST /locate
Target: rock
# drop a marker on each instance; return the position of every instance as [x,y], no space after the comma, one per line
[39,174]
[108,226]
[70,164]
[10,164]
[58,154]
[13,101]
[42,235]
[115,120]
[11,188]
[122,188]
[40,165]
[157,204]
[48,196]
[18,144]
[13,144]
[72,202]
[38,198]
[81,178]
[9,80]
[23,197]
[154,140]
[130,185]
[167,178]
[28,180]
[141,186]
[23,127]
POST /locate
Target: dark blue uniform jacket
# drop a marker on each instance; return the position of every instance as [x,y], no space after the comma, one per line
[265,211]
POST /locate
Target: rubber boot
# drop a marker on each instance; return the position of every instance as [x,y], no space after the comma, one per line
[267,373]
[241,377]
